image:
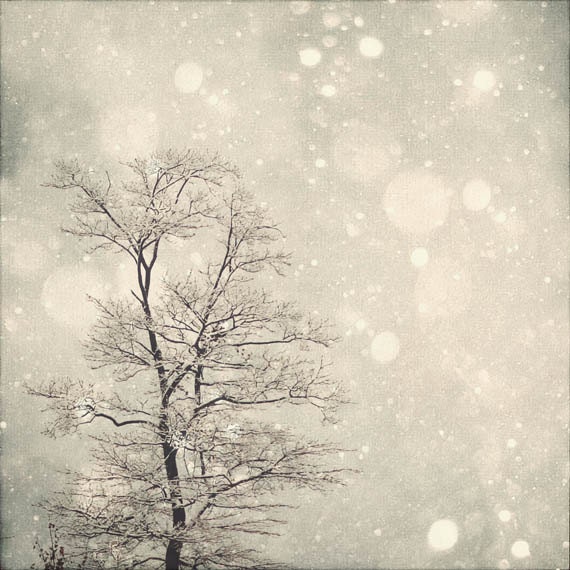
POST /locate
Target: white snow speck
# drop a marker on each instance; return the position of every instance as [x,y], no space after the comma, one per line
[442,535]
[320,163]
[365,153]
[18,310]
[64,295]
[511,443]
[331,19]
[197,259]
[419,257]
[358,22]
[483,375]
[371,47]
[360,325]
[520,549]
[3,425]
[385,347]
[378,532]
[505,516]
[188,77]
[444,287]
[423,307]
[329,41]
[476,195]
[299,8]
[24,257]
[328,90]
[314,262]
[459,11]
[353,230]
[484,80]
[417,201]
[127,129]
[310,57]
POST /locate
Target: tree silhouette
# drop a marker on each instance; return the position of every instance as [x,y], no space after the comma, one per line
[52,557]
[185,458]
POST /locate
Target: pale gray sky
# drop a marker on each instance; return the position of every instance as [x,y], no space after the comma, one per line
[416,154]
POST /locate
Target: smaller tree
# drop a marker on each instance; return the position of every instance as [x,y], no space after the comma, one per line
[52,557]
[192,459]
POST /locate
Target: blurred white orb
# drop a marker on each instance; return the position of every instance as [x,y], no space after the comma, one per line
[188,77]
[328,90]
[22,256]
[443,288]
[127,131]
[365,153]
[310,57]
[505,516]
[419,257]
[442,535]
[385,347]
[371,47]
[417,201]
[331,19]
[520,549]
[299,8]
[352,230]
[476,195]
[462,11]
[65,295]
[484,80]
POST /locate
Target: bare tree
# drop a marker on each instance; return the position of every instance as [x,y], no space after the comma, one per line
[188,460]
[52,557]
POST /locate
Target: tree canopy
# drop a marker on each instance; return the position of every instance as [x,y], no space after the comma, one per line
[185,456]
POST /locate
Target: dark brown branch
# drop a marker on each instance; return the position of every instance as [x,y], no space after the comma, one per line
[123,423]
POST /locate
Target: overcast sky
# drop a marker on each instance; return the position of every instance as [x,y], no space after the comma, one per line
[416,155]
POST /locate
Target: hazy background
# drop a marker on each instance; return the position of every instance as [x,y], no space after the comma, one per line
[416,154]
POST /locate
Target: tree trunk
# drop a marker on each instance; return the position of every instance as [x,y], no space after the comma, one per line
[172,558]
[174,548]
